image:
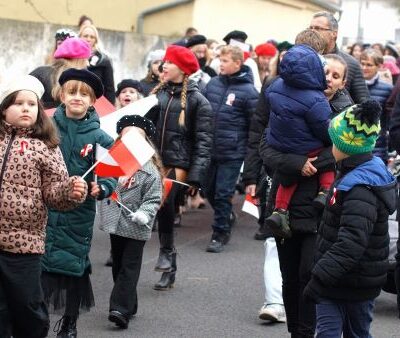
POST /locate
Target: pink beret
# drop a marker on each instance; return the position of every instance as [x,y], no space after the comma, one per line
[73,48]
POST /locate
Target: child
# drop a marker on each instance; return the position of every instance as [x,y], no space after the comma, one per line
[353,241]
[129,232]
[33,177]
[128,91]
[66,265]
[233,97]
[298,124]
[184,124]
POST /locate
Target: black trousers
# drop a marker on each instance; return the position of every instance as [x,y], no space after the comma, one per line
[296,259]
[127,256]
[166,214]
[23,313]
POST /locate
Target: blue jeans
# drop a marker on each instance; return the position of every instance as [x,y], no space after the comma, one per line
[353,319]
[222,177]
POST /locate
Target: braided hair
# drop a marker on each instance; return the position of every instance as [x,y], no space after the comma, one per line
[185,82]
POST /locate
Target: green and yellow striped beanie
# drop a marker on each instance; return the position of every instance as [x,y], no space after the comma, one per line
[355,130]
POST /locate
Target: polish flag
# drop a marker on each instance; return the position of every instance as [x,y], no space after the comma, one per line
[130,153]
[107,164]
[250,206]
[168,183]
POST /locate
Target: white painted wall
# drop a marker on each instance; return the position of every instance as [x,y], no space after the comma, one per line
[378,20]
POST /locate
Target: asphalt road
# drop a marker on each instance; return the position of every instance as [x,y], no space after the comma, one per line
[215,295]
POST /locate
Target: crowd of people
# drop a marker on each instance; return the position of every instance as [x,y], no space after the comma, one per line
[311,128]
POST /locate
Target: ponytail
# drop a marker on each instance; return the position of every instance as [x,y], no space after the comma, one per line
[183,101]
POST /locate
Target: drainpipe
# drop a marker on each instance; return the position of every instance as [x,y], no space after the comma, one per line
[329,5]
[156,9]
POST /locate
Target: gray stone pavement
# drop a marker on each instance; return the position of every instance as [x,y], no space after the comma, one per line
[215,295]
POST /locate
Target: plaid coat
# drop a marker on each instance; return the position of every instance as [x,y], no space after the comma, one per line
[142,192]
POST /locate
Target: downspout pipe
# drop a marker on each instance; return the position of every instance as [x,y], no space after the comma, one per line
[156,9]
[329,6]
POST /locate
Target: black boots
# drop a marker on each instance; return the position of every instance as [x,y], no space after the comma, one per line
[166,251]
[167,278]
[68,327]
[119,319]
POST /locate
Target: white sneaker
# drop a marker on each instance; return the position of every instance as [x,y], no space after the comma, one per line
[273,313]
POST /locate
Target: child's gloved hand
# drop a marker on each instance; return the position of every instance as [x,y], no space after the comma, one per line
[139,218]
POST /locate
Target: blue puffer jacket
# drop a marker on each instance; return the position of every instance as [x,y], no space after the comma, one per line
[233,100]
[299,110]
[380,91]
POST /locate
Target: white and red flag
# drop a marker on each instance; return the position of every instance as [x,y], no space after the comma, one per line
[106,163]
[130,153]
[250,206]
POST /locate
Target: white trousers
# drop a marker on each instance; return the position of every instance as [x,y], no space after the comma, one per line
[272,274]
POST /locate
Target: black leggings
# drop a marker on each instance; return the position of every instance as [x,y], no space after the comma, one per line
[166,214]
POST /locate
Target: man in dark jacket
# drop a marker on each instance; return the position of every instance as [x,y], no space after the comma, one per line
[327,26]
[353,241]
[233,99]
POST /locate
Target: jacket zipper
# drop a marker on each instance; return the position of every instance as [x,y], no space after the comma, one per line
[165,122]
[13,133]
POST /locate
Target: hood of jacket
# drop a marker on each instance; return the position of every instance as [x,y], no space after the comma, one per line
[90,122]
[373,174]
[301,67]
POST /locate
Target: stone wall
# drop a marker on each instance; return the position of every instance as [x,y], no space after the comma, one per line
[25,45]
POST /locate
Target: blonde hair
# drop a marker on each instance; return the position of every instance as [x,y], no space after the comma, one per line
[60,65]
[74,86]
[234,51]
[96,33]
[182,114]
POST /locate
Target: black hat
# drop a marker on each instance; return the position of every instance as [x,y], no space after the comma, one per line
[196,40]
[284,45]
[137,121]
[128,83]
[83,75]
[235,35]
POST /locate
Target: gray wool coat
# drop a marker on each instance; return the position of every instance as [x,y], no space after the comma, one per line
[142,194]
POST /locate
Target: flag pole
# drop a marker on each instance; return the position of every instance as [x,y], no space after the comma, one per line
[179,182]
[95,164]
[126,208]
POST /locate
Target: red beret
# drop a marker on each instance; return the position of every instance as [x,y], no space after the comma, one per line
[266,49]
[182,57]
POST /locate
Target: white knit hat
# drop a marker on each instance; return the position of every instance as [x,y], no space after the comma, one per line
[156,55]
[24,82]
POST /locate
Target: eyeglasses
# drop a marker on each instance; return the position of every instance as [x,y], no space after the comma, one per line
[318,28]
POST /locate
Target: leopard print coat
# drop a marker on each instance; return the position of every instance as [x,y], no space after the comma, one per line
[31,177]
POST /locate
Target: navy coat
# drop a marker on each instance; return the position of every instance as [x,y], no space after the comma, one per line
[233,100]
[299,110]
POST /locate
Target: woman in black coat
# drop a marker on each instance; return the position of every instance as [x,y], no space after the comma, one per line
[296,253]
[99,63]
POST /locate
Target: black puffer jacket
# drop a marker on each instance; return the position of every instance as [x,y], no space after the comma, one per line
[186,147]
[353,240]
